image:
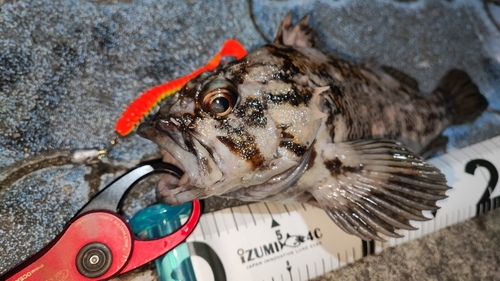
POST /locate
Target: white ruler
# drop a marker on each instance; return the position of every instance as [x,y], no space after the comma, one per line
[266,241]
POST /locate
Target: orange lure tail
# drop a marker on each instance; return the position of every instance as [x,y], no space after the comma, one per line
[141,106]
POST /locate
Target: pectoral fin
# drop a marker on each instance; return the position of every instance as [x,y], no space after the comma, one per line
[377,186]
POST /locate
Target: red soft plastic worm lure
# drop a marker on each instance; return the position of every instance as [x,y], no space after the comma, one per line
[141,106]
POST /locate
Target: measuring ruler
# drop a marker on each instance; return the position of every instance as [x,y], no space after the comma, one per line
[267,241]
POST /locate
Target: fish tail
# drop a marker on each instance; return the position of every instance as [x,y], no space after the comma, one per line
[464,103]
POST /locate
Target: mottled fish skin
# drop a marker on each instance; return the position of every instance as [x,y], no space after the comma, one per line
[363,102]
[290,124]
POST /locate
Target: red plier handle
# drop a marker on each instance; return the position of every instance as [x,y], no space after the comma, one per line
[98,244]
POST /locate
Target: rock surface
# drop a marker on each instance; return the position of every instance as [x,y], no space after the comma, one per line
[69,68]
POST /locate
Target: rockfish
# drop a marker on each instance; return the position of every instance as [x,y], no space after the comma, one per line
[290,124]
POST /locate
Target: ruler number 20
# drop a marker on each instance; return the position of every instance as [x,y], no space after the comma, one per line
[485,203]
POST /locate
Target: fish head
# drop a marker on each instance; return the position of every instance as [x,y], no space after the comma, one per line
[238,127]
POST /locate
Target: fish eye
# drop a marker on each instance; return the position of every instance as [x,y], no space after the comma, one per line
[219,98]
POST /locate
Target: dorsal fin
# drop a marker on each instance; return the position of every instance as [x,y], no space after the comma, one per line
[401,77]
[299,35]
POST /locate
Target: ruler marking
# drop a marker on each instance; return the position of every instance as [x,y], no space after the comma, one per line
[495,144]
[242,216]
[475,151]
[303,206]
[276,208]
[268,210]
[434,224]
[208,227]
[323,262]
[232,213]
[196,233]
[297,207]
[280,209]
[443,163]
[286,209]
[485,148]
[491,145]
[455,158]
[452,160]
[230,223]
[282,277]
[251,213]
[261,211]
[465,152]
[216,226]
[307,272]
[202,232]
[441,223]
[256,212]
[300,277]
[315,270]
[225,224]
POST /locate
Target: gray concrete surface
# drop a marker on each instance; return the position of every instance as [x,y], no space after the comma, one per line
[68,69]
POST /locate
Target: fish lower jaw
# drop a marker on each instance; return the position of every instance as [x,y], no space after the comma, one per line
[169,159]
[176,192]
[172,190]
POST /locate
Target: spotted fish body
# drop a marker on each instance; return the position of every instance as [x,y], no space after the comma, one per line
[290,124]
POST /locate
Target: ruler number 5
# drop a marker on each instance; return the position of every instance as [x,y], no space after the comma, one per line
[484,203]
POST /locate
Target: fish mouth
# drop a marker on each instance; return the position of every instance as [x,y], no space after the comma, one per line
[172,190]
